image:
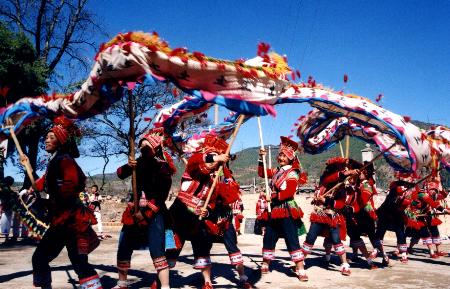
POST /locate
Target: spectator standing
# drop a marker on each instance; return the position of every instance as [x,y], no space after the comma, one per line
[94,204]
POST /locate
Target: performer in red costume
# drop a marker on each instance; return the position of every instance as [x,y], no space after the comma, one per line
[327,218]
[285,217]
[154,170]
[425,204]
[237,208]
[188,206]
[360,215]
[220,222]
[391,214]
[70,220]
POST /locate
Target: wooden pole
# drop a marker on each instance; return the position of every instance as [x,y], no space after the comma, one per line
[433,214]
[342,151]
[347,146]
[27,164]
[266,180]
[219,170]
[137,213]
[270,157]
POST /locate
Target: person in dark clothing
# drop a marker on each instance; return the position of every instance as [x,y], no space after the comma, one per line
[70,221]
[391,214]
[154,170]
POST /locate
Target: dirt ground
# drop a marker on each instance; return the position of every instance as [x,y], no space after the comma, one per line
[420,272]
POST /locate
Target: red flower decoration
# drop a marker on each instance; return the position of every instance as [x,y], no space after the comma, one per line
[200,56]
[158,106]
[379,97]
[407,118]
[263,48]
[178,51]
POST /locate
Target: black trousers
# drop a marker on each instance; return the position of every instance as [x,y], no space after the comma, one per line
[361,223]
[230,240]
[396,223]
[281,228]
[54,240]
[188,227]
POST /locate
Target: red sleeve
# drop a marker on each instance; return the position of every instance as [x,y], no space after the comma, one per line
[430,201]
[405,203]
[330,179]
[196,165]
[366,193]
[169,161]
[270,172]
[124,171]
[303,178]
[339,204]
[289,192]
[70,178]
[40,183]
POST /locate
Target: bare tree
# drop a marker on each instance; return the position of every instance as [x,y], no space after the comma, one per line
[107,135]
[63,31]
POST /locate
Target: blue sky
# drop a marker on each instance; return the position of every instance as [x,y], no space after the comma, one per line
[398,48]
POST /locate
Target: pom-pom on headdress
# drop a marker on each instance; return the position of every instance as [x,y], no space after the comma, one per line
[154,136]
[214,144]
[288,147]
[337,161]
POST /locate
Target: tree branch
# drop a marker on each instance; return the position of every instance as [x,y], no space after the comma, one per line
[37,37]
[68,34]
[50,28]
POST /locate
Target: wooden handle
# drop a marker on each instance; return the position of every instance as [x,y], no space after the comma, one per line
[132,151]
[27,164]
[266,180]
[219,171]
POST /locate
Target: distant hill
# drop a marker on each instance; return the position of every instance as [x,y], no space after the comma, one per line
[245,166]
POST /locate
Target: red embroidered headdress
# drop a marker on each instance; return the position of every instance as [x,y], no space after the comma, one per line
[64,129]
[288,147]
[214,144]
[154,136]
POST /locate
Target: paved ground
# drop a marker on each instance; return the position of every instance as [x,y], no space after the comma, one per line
[420,272]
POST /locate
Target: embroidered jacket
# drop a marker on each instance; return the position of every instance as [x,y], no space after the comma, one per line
[283,184]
